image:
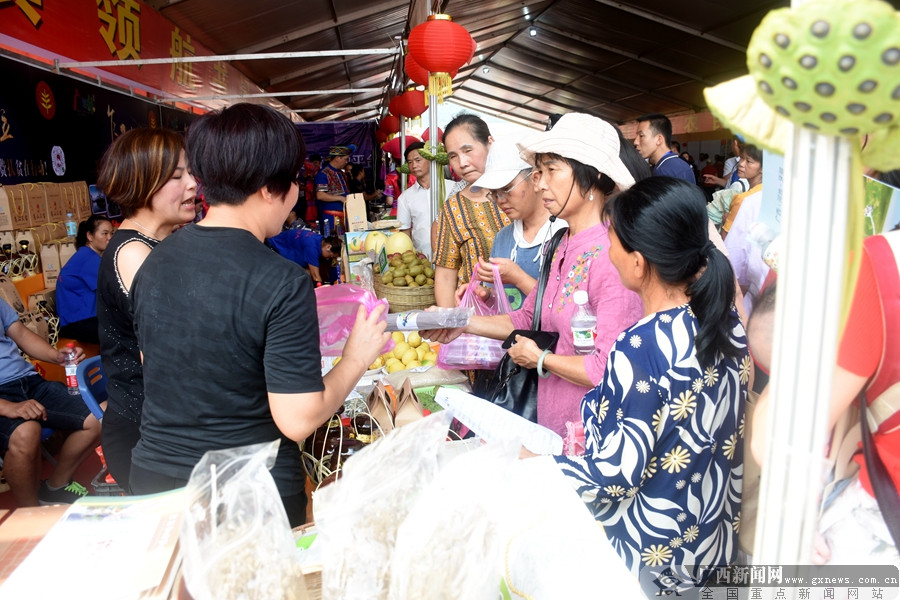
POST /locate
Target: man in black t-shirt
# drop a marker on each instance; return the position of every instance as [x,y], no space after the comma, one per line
[228,329]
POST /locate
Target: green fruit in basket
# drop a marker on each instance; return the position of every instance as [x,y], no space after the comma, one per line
[408,257]
[421,279]
[429,272]
[388,277]
[400,272]
[412,284]
[429,281]
[400,281]
[416,270]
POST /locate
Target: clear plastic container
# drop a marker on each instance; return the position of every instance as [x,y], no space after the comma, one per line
[584,325]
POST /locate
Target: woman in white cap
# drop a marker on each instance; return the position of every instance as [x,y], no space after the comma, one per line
[581,161]
[518,250]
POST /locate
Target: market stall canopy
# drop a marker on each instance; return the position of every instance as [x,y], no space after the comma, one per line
[610,58]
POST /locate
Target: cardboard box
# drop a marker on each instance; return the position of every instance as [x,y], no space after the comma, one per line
[44,234]
[355,211]
[50,264]
[56,208]
[37,204]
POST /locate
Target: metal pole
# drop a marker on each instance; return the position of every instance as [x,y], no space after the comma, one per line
[404,179]
[274,94]
[436,169]
[221,58]
[817,179]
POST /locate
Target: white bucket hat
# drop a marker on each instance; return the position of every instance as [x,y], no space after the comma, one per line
[589,140]
[502,166]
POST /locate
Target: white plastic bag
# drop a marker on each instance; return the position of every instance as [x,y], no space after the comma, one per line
[235,536]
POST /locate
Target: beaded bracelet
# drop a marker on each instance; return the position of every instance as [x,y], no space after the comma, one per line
[540,365]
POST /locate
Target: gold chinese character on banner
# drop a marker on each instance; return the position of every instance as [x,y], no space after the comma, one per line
[690,124]
[220,75]
[120,27]
[28,8]
[182,73]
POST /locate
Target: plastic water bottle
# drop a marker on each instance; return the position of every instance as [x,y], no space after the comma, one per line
[584,325]
[71,369]
[71,226]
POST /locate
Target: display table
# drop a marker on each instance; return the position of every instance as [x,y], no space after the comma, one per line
[20,532]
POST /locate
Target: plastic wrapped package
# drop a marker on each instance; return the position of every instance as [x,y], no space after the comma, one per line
[235,537]
[361,274]
[337,306]
[434,318]
[359,515]
[451,543]
[427,377]
[469,351]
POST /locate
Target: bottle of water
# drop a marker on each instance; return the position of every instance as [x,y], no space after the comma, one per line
[584,325]
[71,226]
[71,369]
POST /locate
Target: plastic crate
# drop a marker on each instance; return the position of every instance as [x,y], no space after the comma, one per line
[102,488]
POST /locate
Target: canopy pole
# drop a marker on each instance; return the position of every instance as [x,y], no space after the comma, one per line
[437,169]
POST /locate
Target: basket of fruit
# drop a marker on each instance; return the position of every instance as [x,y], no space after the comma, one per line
[407,282]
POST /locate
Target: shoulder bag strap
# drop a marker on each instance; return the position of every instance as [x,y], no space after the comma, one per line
[885,493]
[545,276]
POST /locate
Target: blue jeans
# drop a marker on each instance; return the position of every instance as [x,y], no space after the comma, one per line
[64,411]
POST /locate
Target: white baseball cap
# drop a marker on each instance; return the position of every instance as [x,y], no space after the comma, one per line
[589,140]
[502,166]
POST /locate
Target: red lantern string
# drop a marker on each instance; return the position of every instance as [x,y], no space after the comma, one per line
[440,46]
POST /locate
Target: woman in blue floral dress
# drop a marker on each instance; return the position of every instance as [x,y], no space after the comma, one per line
[664,429]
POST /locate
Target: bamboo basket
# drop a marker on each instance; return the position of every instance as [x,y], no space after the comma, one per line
[404,298]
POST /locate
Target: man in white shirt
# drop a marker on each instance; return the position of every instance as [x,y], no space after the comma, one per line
[414,205]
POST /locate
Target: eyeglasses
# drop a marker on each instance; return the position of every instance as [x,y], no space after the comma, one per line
[503,195]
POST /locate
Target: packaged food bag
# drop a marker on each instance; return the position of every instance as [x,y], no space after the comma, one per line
[337,306]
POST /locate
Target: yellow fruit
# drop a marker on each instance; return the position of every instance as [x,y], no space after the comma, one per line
[374,241]
[395,366]
[430,356]
[400,349]
[398,337]
[421,351]
[379,362]
[414,339]
[409,356]
[413,364]
[427,363]
[398,243]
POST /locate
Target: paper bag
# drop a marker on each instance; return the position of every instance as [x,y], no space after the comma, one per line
[50,264]
[36,322]
[355,209]
[5,209]
[37,203]
[18,207]
[380,407]
[10,294]
[66,251]
[67,192]
[82,201]
[56,206]
[409,408]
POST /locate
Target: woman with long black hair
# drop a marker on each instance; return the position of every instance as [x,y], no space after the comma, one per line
[664,429]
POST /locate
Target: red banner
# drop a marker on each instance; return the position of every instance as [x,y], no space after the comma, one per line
[91,30]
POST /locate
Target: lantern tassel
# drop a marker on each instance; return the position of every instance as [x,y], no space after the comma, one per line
[440,85]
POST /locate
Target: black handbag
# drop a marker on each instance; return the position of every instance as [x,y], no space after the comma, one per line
[512,386]
[886,494]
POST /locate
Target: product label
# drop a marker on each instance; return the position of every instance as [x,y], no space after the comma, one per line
[72,375]
[406,321]
[583,338]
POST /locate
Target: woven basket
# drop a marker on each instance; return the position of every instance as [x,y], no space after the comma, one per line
[404,298]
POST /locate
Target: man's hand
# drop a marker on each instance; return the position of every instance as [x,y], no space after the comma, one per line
[79,355]
[30,410]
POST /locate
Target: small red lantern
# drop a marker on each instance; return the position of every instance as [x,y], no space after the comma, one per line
[426,135]
[389,124]
[412,103]
[440,46]
[395,105]
[380,136]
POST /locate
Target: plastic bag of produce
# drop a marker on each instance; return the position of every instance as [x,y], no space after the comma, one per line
[337,306]
[235,536]
[470,351]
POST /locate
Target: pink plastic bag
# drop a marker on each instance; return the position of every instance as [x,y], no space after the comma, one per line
[470,351]
[337,306]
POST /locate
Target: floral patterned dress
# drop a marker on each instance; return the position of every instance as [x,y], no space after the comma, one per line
[664,446]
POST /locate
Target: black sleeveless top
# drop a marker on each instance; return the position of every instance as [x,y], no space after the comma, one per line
[119,351]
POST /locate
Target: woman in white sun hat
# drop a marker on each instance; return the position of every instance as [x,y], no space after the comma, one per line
[579,163]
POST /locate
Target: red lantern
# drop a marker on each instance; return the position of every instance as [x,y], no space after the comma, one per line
[392,146]
[440,46]
[380,136]
[426,135]
[416,72]
[389,124]
[395,105]
[412,103]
